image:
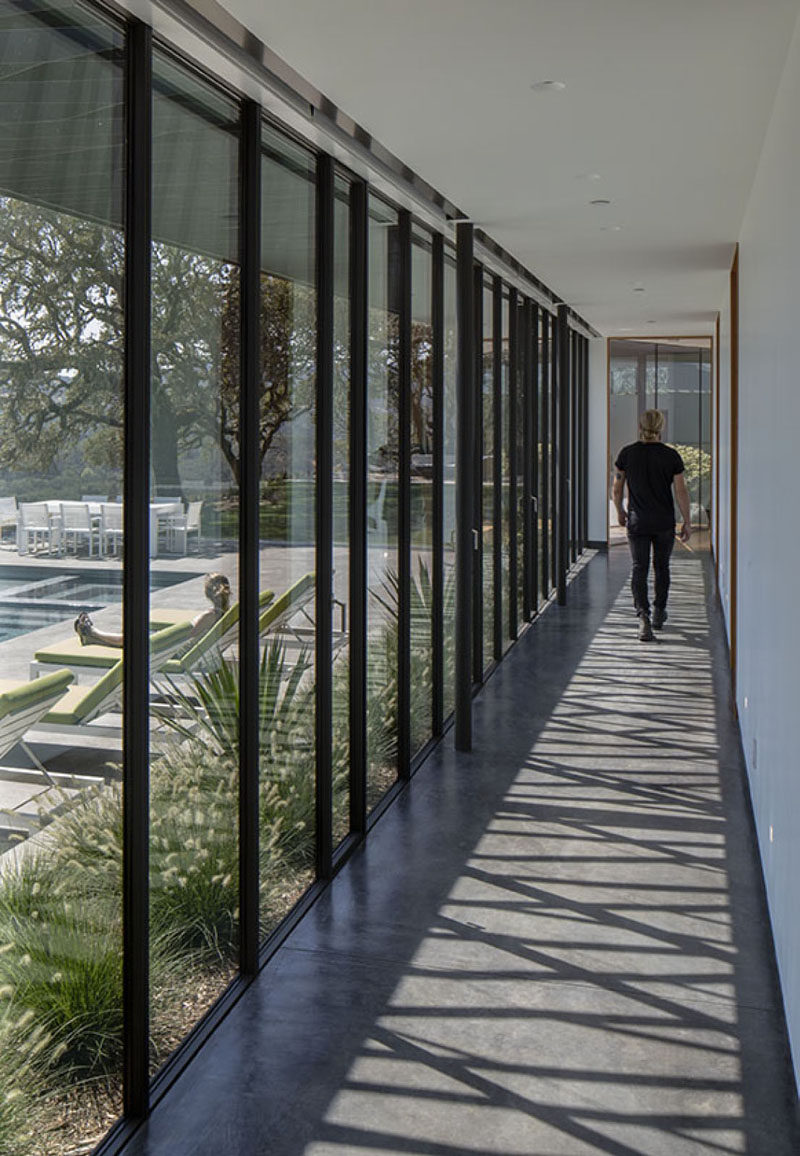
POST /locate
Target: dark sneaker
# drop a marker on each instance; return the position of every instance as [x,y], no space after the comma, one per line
[645,629]
[659,618]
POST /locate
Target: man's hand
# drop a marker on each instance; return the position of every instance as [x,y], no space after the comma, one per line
[622,518]
[686,532]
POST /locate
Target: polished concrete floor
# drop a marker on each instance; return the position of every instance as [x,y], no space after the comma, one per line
[556,944]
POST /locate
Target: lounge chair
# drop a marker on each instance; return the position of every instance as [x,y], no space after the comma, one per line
[23,704]
[85,659]
[78,706]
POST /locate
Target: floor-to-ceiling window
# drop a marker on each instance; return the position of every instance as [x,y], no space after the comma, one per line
[342,434]
[62,185]
[449,484]
[487,473]
[287,563]
[383,446]
[194,495]
[421,496]
[506,426]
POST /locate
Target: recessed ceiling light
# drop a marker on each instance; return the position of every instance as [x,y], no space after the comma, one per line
[600,201]
[638,288]
[548,86]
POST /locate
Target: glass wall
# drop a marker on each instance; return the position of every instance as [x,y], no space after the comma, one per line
[287,566]
[675,377]
[488,472]
[505,472]
[449,479]
[520,472]
[77,356]
[421,492]
[194,497]
[383,446]
[341,508]
[62,184]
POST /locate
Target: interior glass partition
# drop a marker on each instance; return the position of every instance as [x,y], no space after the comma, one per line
[421,483]
[673,375]
[194,495]
[62,258]
[383,446]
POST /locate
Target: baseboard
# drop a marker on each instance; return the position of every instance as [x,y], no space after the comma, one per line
[597,545]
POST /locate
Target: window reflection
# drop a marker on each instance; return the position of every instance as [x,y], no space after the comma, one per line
[287,561]
[194,495]
[421,494]
[382,499]
[61,438]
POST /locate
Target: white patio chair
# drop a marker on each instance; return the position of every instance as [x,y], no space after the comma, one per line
[34,527]
[76,522]
[110,527]
[8,514]
[180,526]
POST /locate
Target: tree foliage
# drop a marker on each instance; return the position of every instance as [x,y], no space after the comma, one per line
[62,348]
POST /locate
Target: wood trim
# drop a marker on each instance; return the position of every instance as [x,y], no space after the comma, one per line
[715,461]
[733,566]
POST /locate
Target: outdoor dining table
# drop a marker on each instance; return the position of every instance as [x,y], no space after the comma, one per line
[158,510]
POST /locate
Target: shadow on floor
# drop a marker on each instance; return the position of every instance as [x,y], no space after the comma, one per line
[555,944]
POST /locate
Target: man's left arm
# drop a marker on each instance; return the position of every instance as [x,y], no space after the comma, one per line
[617,490]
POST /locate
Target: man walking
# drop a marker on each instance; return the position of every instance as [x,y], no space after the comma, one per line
[650,470]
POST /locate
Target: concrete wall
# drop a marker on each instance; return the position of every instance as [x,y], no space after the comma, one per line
[768,675]
[598,442]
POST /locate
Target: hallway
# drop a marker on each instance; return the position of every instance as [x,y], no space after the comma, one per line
[555,945]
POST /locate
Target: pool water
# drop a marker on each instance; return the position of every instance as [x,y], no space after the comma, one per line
[39,598]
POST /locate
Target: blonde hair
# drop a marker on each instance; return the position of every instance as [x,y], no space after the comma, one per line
[651,423]
[217,589]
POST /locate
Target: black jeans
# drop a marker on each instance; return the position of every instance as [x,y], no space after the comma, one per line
[640,544]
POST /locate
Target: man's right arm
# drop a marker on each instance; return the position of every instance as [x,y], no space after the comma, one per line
[617,490]
[682,497]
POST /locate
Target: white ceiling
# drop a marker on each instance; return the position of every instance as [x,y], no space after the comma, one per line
[666,101]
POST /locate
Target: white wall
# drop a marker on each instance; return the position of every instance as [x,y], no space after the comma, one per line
[768,675]
[598,439]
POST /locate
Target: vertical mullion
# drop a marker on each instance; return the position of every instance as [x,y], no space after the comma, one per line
[358,505]
[404,496]
[563,408]
[544,497]
[476,401]
[250,370]
[136,585]
[465,417]
[497,463]
[533,492]
[324,517]
[437,368]
[513,385]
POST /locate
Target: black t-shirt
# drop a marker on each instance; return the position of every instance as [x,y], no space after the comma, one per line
[649,468]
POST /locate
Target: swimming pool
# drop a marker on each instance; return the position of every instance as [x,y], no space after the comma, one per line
[31,598]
